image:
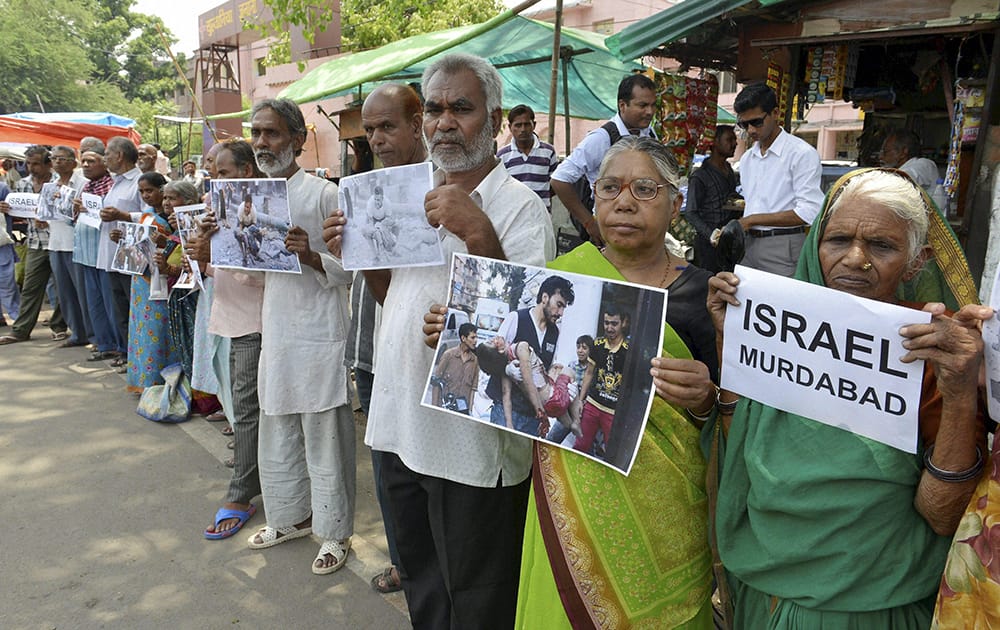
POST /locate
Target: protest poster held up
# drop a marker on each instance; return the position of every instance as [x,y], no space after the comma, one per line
[779,351]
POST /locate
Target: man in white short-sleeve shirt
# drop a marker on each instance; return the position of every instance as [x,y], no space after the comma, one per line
[457,489]
[780,175]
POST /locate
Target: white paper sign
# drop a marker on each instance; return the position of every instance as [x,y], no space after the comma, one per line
[825,355]
[991,350]
[92,205]
[23,205]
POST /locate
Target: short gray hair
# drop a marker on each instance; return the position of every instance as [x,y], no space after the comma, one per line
[895,191]
[489,78]
[184,189]
[663,159]
[288,111]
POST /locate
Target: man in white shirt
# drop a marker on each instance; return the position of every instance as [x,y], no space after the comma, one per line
[780,175]
[636,104]
[306,458]
[121,203]
[69,276]
[457,488]
[901,149]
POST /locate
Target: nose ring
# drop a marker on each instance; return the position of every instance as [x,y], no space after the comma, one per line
[867,266]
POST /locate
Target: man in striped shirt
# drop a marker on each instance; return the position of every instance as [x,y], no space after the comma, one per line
[527,158]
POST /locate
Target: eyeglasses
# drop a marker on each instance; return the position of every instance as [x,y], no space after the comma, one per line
[642,189]
[59,158]
[755,123]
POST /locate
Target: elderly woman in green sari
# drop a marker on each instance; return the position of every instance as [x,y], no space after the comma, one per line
[818,527]
[602,550]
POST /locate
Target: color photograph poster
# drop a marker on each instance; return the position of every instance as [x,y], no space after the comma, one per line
[580,382]
[135,248]
[386,224]
[253,220]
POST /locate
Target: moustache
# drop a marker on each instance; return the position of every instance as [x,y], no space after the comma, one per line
[267,155]
[452,137]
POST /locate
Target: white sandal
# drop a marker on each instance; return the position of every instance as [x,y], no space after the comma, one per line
[270,536]
[338,549]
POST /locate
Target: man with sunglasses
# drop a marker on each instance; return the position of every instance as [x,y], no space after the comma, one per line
[780,175]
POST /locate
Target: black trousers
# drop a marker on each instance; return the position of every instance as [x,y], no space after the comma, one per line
[460,548]
[121,296]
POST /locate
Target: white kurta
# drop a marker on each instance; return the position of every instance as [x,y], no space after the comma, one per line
[429,441]
[305,316]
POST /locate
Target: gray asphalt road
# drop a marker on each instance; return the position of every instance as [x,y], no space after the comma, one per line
[102,514]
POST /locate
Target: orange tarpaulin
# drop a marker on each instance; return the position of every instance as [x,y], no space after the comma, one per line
[70,133]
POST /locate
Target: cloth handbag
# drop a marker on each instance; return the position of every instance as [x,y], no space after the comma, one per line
[170,402]
[5,238]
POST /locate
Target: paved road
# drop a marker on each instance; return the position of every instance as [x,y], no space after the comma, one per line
[101,515]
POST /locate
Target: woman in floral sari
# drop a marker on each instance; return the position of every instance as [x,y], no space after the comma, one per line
[149,345]
[819,527]
[602,550]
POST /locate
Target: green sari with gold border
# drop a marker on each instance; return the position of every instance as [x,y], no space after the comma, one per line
[816,526]
[602,550]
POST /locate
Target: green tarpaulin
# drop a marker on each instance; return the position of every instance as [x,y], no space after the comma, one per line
[520,48]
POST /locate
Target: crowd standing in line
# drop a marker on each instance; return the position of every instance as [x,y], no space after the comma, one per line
[810,525]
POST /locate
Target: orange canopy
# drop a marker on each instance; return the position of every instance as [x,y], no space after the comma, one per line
[51,133]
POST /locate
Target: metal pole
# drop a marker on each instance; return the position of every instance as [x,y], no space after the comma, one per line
[553,85]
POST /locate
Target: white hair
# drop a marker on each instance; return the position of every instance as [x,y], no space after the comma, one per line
[894,191]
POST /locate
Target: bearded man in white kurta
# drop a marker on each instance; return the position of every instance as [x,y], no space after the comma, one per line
[306,450]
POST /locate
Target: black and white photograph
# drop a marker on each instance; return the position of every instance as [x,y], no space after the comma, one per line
[135,248]
[551,355]
[187,220]
[253,220]
[55,202]
[386,225]
[187,224]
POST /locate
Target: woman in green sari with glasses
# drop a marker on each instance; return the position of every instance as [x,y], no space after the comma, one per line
[602,550]
[818,527]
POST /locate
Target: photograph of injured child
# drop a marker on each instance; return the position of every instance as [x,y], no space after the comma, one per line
[553,356]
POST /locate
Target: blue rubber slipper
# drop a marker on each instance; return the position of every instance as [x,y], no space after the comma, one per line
[224,514]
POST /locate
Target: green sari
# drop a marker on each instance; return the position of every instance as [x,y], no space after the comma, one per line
[816,526]
[602,550]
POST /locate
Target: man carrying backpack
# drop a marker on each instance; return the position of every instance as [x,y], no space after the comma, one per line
[636,102]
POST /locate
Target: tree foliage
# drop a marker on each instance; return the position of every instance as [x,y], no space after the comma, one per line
[373,23]
[369,24]
[84,55]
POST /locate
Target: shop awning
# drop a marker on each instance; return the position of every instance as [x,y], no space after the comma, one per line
[520,49]
[93,118]
[671,24]
[59,132]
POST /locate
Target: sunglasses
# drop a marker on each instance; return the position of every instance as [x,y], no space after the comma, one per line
[755,123]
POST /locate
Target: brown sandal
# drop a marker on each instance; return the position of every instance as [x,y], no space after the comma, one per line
[384,582]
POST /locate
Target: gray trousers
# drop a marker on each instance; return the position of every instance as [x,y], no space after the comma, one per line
[307,465]
[244,355]
[776,254]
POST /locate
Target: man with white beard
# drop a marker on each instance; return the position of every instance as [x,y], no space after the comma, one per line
[457,489]
[306,449]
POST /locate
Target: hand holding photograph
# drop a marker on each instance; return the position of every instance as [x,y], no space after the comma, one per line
[253,220]
[555,356]
[386,225]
